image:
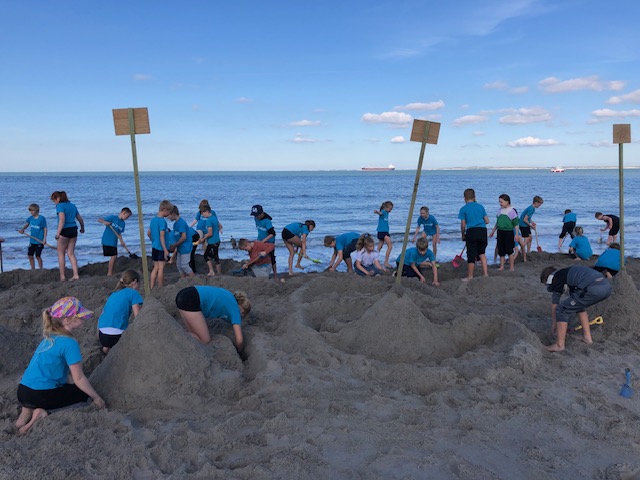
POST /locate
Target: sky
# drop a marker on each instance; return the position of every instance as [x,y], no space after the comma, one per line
[329,85]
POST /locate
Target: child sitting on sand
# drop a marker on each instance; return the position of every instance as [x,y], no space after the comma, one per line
[44,386]
[417,257]
[579,248]
[367,258]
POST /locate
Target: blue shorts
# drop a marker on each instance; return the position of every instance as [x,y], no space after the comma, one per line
[383,235]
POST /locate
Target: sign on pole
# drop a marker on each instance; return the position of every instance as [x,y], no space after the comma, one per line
[621,135]
[424,132]
[129,121]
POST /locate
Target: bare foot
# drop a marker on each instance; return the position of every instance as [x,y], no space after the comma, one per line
[25,416]
[73,279]
[588,341]
[501,268]
[467,279]
[555,348]
[38,413]
[299,267]
[211,274]
[62,279]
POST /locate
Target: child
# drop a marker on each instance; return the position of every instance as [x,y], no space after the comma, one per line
[568,224]
[266,233]
[383,230]
[612,224]
[416,257]
[159,250]
[198,223]
[258,251]
[44,386]
[473,226]
[579,248]
[507,221]
[366,257]
[343,246]
[526,225]
[586,287]
[609,261]
[67,233]
[183,238]
[212,238]
[38,235]
[430,228]
[114,228]
[295,237]
[124,300]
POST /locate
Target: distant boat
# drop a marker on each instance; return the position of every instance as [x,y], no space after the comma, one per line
[557,170]
[379,169]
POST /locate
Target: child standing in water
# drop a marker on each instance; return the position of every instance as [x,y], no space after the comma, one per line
[295,237]
[38,235]
[526,224]
[568,224]
[383,230]
[507,221]
[612,224]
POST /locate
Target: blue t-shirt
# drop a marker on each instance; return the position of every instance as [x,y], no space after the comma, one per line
[345,239]
[212,222]
[38,226]
[158,224]
[200,222]
[108,237]
[383,221]
[179,227]
[610,258]
[569,217]
[117,310]
[70,212]
[582,247]
[49,366]
[428,224]
[216,302]
[298,229]
[412,256]
[528,212]
[473,214]
[263,227]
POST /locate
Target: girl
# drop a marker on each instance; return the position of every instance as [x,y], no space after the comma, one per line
[295,236]
[67,233]
[116,312]
[416,257]
[366,257]
[383,230]
[198,303]
[44,384]
[507,225]
[579,248]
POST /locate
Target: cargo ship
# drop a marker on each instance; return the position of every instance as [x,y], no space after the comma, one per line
[379,169]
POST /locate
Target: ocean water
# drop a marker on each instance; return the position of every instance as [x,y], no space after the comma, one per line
[338,201]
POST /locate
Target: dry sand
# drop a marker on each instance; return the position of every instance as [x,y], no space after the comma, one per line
[347,377]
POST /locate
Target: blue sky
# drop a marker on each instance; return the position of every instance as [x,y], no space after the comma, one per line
[303,85]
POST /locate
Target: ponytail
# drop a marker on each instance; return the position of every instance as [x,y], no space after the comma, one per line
[52,325]
[243,301]
[127,278]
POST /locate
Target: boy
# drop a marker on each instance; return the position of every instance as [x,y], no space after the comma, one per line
[343,246]
[258,253]
[183,242]
[38,233]
[430,228]
[612,224]
[212,237]
[266,233]
[114,228]
[473,226]
[586,287]
[526,225]
[419,256]
[159,251]
[568,224]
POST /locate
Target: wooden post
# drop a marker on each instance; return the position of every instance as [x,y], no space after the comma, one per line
[621,134]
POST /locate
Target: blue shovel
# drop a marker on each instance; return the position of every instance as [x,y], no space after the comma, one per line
[626,390]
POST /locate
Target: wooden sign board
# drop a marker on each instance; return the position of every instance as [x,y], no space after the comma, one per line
[417,132]
[140,120]
[621,133]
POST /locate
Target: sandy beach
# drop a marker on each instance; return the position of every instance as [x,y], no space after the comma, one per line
[347,377]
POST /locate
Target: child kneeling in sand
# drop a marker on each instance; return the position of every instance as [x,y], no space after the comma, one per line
[416,257]
[579,248]
[44,384]
[367,258]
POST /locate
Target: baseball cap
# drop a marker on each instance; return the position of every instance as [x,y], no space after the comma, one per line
[69,307]
[256,210]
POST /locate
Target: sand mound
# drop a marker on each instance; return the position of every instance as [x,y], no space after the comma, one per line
[621,310]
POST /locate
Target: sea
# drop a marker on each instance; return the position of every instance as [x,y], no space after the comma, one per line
[338,201]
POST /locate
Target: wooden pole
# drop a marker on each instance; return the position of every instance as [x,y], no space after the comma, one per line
[136,179]
[621,193]
[407,229]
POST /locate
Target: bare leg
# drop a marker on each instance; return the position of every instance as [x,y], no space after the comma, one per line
[32,262]
[275,271]
[112,263]
[39,262]
[501,263]
[38,413]
[561,335]
[161,273]
[62,248]
[154,275]
[483,262]
[387,240]
[291,255]
[71,253]
[470,267]
[512,260]
[196,325]
[586,328]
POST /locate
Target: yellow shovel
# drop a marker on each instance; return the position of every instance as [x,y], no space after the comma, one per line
[596,321]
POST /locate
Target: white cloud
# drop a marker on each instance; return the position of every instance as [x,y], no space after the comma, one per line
[605,114]
[519,90]
[633,97]
[478,133]
[394,118]
[244,100]
[398,139]
[601,143]
[555,85]
[300,138]
[469,120]
[142,77]
[533,142]
[523,116]
[305,123]
[421,106]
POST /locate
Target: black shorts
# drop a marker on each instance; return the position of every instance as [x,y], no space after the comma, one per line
[69,232]
[108,340]
[211,253]
[157,255]
[382,235]
[286,234]
[67,394]
[349,249]
[188,299]
[109,251]
[615,227]
[567,229]
[409,272]
[476,239]
[525,232]
[506,242]
[35,249]
[606,269]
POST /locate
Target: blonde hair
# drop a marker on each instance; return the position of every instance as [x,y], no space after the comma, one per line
[127,278]
[165,205]
[579,231]
[243,301]
[422,243]
[364,239]
[53,326]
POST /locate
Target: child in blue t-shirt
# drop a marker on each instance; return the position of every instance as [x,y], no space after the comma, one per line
[568,225]
[44,386]
[430,228]
[417,257]
[580,247]
[343,246]
[181,243]
[608,262]
[473,226]
[384,238]
[37,235]
[212,238]
[266,233]
[114,228]
[295,237]
[526,224]
[159,249]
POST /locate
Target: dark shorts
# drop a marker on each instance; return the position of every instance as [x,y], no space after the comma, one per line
[108,340]
[287,235]
[157,255]
[67,394]
[407,271]
[476,239]
[567,229]
[506,242]
[525,232]
[35,249]
[615,227]
[188,299]
[272,254]
[382,235]
[69,232]
[211,253]
[580,300]
[606,269]
[349,249]
[109,251]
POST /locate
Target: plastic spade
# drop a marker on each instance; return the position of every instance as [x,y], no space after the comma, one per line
[626,390]
[538,247]
[457,260]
